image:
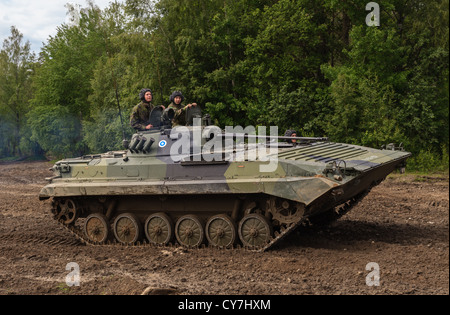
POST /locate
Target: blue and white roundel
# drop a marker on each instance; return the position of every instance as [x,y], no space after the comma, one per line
[162,143]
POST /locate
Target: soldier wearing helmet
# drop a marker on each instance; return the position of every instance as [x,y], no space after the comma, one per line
[140,116]
[176,100]
[291,133]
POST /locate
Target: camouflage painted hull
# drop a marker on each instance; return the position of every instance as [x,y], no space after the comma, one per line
[309,180]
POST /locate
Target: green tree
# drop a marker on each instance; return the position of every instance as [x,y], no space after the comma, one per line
[16,69]
[62,84]
[393,82]
[115,83]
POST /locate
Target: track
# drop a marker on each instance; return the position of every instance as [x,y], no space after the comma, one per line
[285,230]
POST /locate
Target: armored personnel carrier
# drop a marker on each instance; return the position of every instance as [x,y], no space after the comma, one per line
[198,185]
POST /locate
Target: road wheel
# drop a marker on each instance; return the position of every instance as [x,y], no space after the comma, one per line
[189,231]
[159,229]
[254,231]
[221,231]
[96,228]
[127,228]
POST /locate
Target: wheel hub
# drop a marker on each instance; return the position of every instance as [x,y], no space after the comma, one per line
[189,232]
[157,230]
[126,231]
[220,232]
[254,233]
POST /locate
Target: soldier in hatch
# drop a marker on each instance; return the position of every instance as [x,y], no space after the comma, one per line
[140,116]
[291,133]
[176,100]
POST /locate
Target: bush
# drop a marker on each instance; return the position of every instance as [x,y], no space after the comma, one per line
[427,161]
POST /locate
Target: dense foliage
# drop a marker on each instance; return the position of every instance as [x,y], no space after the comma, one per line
[313,66]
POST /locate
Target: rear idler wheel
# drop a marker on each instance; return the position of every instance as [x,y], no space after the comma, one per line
[159,229]
[65,211]
[221,231]
[127,228]
[189,231]
[97,228]
[255,231]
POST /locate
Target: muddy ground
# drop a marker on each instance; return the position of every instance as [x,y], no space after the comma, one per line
[401,226]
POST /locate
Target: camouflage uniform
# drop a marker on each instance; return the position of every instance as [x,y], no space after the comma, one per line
[180,114]
[180,110]
[140,116]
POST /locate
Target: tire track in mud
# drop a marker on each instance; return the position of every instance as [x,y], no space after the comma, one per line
[23,239]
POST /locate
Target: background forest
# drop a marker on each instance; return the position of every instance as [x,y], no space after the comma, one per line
[313,66]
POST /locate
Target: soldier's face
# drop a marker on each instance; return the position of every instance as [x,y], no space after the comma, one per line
[294,140]
[177,100]
[148,96]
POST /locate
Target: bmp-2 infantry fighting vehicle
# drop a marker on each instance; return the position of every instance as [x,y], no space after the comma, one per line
[165,189]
